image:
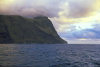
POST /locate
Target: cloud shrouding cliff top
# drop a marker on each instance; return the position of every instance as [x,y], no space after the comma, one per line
[68,16]
[50,8]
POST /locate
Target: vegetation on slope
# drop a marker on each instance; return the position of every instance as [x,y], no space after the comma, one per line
[17,29]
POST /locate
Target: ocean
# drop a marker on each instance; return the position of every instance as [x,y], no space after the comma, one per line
[49,55]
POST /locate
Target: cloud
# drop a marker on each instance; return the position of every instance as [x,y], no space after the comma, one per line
[30,7]
[72,18]
[89,33]
[50,8]
[83,41]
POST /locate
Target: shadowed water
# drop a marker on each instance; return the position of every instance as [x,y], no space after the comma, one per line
[49,55]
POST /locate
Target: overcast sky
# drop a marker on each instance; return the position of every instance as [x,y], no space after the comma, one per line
[77,21]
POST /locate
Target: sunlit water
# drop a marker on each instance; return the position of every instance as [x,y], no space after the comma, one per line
[49,55]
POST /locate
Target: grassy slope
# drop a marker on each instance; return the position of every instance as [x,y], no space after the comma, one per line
[25,30]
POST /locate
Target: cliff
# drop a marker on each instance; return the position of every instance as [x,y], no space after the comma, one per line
[18,29]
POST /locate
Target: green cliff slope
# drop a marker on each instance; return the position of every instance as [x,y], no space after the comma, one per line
[17,29]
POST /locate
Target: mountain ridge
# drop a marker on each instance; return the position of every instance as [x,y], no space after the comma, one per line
[18,29]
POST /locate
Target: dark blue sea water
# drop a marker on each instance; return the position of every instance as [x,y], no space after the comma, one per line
[49,55]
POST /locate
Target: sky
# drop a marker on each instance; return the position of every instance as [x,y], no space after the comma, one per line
[77,21]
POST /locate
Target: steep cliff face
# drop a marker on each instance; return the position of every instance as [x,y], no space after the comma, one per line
[17,29]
